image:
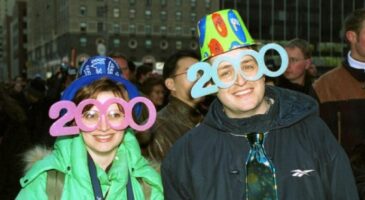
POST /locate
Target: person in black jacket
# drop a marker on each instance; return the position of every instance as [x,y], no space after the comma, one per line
[210,161]
[298,76]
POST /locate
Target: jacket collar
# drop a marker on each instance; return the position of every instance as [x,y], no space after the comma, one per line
[358,74]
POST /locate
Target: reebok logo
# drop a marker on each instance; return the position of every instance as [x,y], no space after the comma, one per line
[300,173]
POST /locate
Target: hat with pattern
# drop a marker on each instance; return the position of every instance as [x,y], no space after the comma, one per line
[222,31]
[94,69]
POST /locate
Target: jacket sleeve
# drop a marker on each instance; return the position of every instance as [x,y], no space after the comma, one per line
[175,172]
[172,188]
[342,182]
[141,167]
[34,189]
[151,177]
[336,172]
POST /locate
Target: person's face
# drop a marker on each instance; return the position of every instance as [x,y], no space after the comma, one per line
[297,67]
[104,140]
[357,43]
[157,95]
[244,98]
[123,64]
[180,86]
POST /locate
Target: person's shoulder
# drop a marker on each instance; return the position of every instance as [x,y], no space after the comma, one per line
[330,77]
[293,106]
[33,189]
[321,137]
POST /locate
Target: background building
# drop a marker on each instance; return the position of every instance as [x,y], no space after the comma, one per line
[145,31]
[13,39]
[55,31]
[17,55]
[317,21]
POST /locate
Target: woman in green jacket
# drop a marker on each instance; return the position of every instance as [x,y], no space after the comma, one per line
[103,161]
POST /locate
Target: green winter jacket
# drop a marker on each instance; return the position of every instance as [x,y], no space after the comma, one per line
[70,157]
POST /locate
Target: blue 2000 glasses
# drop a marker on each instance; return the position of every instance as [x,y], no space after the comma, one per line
[224,77]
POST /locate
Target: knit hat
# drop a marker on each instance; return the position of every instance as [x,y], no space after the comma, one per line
[222,31]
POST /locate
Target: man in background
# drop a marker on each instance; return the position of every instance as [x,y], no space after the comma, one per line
[181,113]
[297,76]
[341,93]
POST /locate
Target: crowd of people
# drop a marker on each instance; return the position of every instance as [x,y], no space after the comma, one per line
[296,136]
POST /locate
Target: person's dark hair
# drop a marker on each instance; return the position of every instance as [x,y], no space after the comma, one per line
[36,87]
[131,65]
[143,69]
[301,44]
[353,21]
[170,66]
[150,82]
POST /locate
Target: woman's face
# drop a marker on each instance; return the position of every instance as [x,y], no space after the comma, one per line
[157,95]
[104,140]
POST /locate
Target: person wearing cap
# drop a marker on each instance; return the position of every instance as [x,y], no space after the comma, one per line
[103,160]
[256,141]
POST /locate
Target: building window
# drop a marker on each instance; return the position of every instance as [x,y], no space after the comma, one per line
[193,45]
[163,30]
[178,2]
[193,32]
[178,45]
[207,3]
[132,13]
[148,3]
[164,44]
[148,14]
[83,11]
[178,15]
[148,30]
[116,12]
[132,28]
[100,27]
[163,15]
[163,2]
[116,42]
[132,2]
[132,43]
[116,28]
[193,17]
[148,44]
[178,30]
[83,41]
[193,3]
[100,11]
[83,27]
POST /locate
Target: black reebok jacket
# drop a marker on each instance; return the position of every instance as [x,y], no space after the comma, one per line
[209,161]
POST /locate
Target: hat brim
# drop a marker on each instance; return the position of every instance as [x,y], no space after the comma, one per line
[79,83]
[253,45]
[76,85]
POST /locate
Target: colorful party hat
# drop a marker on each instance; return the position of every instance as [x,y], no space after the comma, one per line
[222,31]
